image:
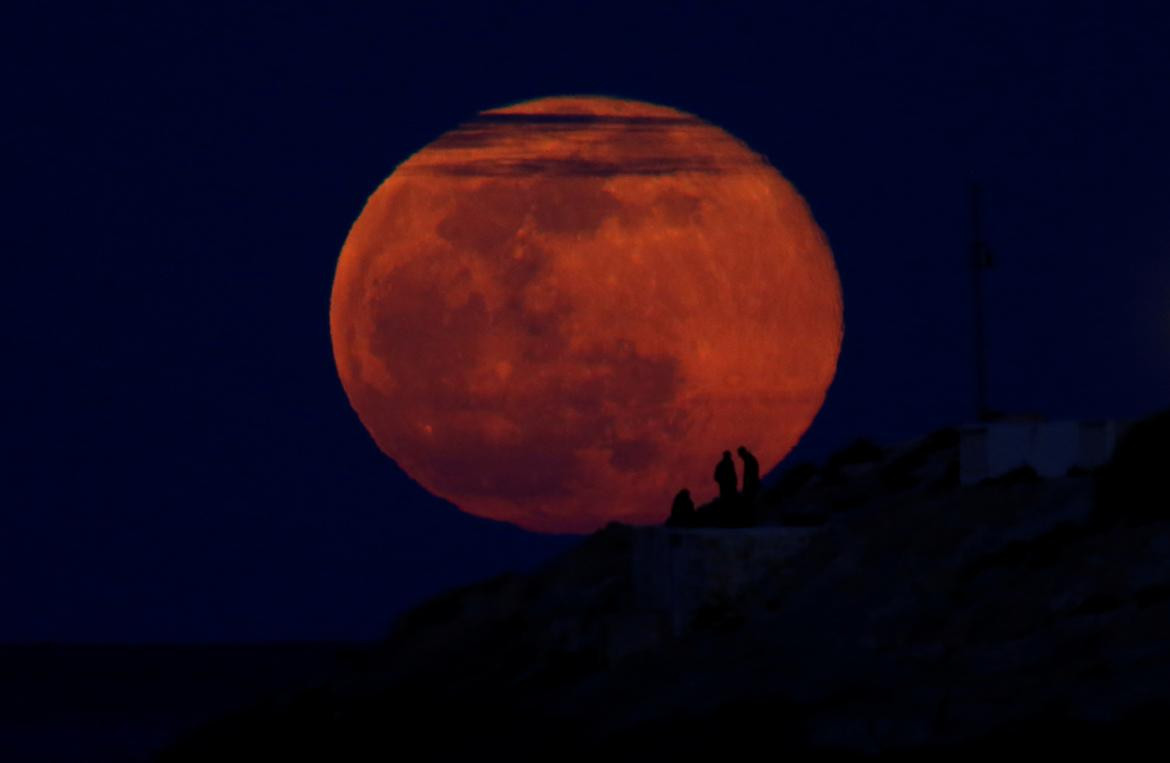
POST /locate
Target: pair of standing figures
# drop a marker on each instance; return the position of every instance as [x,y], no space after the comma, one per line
[726,479]
[683,510]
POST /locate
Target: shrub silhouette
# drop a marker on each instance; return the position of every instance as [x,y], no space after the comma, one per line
[791,482]
[860,451]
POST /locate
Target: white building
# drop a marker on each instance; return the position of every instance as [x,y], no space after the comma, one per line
[1052,448]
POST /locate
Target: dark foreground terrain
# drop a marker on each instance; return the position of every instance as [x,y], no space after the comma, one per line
[876,608]
[123,703]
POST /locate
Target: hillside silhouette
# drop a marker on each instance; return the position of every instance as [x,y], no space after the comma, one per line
[877,607]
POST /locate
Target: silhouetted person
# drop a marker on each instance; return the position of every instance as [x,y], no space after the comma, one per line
[751,474]
[682,511]
[725,476]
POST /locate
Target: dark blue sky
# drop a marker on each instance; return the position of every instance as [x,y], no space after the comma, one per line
[180,462]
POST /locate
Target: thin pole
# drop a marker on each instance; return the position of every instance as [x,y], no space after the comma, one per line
[980,261]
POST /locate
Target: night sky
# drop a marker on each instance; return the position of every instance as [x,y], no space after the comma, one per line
[180,462]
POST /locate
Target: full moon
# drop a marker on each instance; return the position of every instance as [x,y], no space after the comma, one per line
[563,311]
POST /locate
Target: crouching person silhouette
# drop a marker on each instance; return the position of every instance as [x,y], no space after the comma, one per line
[682,511]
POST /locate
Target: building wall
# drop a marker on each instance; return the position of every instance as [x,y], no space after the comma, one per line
[1052,448]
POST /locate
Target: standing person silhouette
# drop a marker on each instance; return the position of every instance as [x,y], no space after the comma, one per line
[751,474]
[725,477]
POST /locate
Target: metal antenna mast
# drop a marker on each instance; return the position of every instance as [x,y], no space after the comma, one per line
[980,261]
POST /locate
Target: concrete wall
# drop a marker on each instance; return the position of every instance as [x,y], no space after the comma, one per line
[1049,447]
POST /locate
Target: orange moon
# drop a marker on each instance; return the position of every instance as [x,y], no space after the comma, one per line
[563,311]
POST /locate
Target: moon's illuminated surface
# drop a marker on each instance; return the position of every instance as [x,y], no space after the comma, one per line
[563,311]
